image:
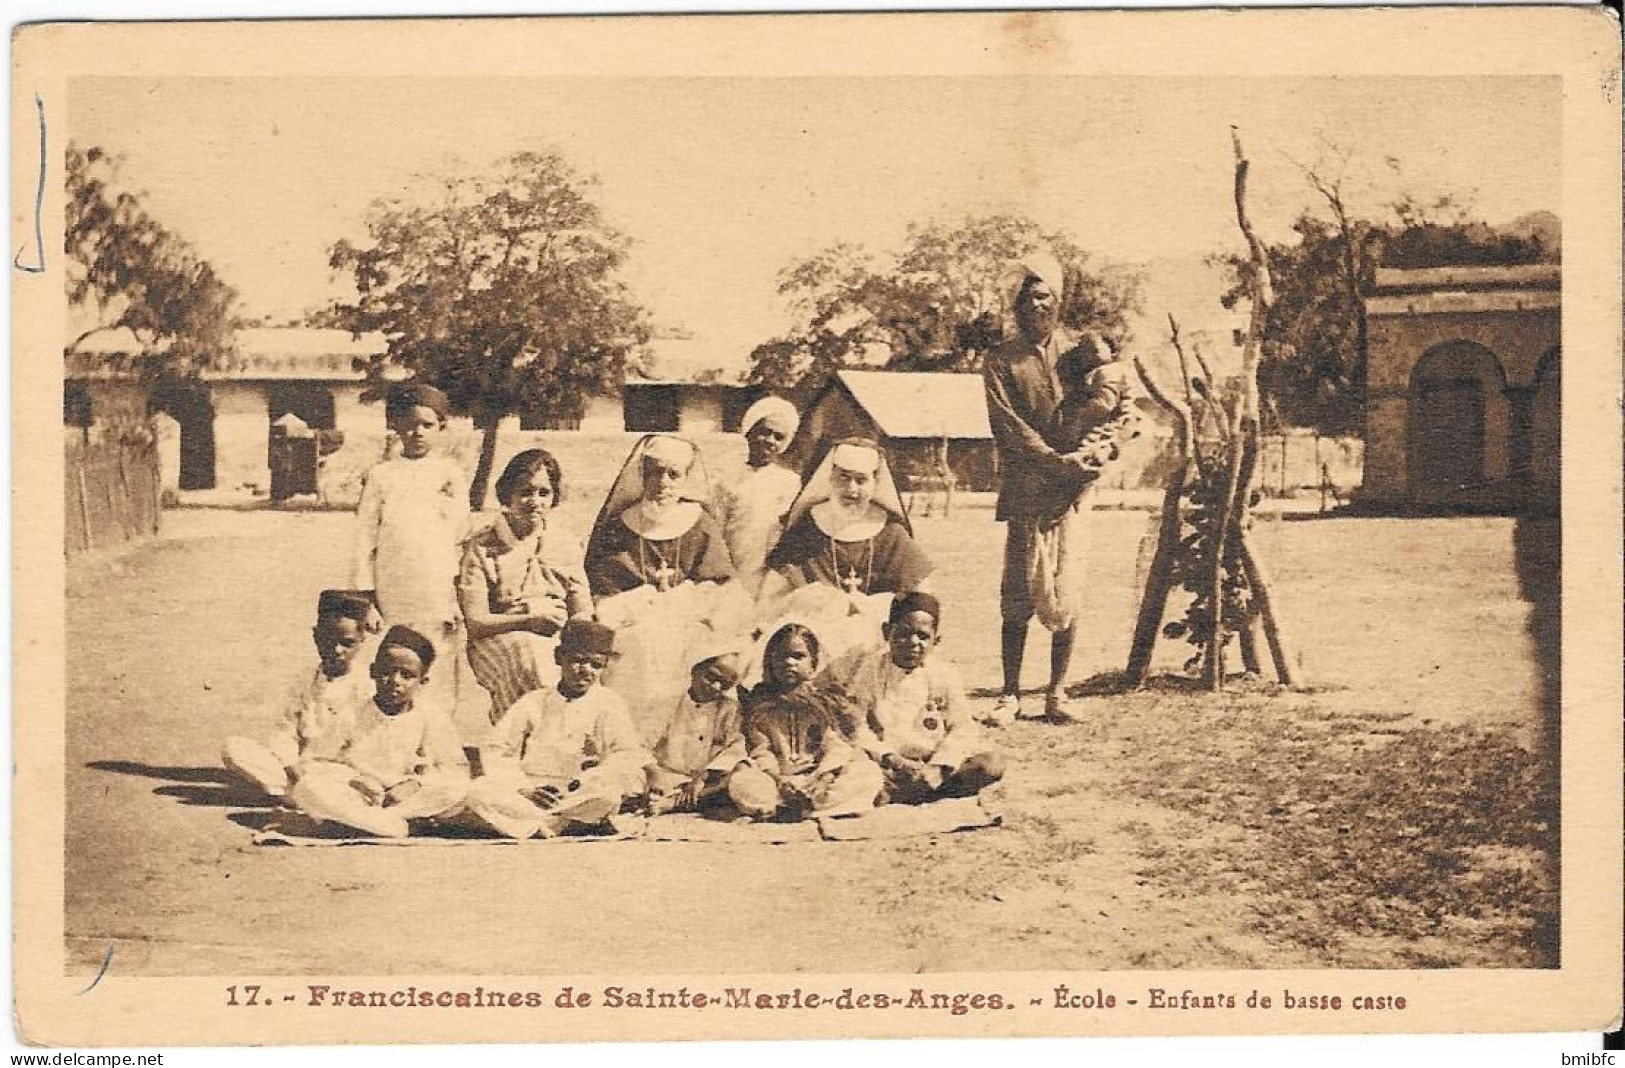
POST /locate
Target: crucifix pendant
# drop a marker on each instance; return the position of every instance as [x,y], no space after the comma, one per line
[851,583]
[665,577]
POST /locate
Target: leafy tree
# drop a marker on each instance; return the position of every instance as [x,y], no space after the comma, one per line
[501,290]
[132,272]
[938,305]
[1315,340]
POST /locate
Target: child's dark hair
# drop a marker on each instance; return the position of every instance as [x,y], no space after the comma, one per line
[785,634]
[528,463]
[914,601]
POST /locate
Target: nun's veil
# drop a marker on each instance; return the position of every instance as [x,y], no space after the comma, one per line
[820,486]
[627,489]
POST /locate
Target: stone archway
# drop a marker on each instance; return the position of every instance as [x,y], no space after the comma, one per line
[1458,422]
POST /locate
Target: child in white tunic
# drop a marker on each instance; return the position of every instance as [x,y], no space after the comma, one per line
[411,519]
[912,716]
[704,742]
[391,759]
[752,502]
[343,621]
[564,756]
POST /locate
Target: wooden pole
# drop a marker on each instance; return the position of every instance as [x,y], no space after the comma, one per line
[1243,444]
[1160,575]
[1192,420]
[1286,669]
[1249,635]
[84,508]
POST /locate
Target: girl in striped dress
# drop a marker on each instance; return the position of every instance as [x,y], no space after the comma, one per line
[518,586]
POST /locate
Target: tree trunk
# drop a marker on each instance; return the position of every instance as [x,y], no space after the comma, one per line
[477,489]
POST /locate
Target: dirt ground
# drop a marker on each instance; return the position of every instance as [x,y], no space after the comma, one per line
[1398,814]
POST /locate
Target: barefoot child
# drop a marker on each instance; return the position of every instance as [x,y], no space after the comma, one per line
[801,760]
[343,619]
[390,759]
[564,756]
[913,718]
[703,743]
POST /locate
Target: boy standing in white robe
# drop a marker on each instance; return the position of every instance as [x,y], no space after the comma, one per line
[912,716]
[410,523]
[390,759]
[565,755]
[752,504]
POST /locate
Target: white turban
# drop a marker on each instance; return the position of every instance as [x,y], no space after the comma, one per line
[779,413]
[1040,265]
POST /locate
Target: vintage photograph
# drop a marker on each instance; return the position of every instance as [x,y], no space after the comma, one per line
[887,523]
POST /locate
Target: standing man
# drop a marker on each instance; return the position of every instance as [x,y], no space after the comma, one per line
[1037,482]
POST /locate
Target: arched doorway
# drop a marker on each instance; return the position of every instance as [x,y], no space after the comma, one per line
[1458,422]
[189,404]
[1546,452]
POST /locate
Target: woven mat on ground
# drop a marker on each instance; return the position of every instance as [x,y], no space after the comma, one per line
[909,821]
[891,821]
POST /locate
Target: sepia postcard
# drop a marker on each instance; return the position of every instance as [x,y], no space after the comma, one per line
[816,526]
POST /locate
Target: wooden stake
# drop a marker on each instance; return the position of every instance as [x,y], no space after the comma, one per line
[1159,578]
[1264,600]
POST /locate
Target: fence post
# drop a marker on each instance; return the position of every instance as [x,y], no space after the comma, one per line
[84,508]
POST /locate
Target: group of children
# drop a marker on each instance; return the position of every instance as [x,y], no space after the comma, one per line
[374,748]
[367,749]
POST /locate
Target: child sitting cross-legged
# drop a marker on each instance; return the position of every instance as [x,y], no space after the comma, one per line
[344,621]
[801,760]
[911,710]
[703,743]
[391,758]
[566,755]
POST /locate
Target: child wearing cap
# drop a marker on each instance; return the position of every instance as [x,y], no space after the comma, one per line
[911,711]
[565,756]
[344,622]
[752,504]
[703,743]
[411,518]
[390,759]
[800,757]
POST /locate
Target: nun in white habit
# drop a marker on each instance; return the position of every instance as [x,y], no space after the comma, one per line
[847,548]
[660,574]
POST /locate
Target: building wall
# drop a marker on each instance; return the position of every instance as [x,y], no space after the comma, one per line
[701,411]
[1547,452]
[603,415]
[1517,339]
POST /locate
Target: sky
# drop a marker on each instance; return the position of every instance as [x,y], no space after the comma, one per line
[722,182]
